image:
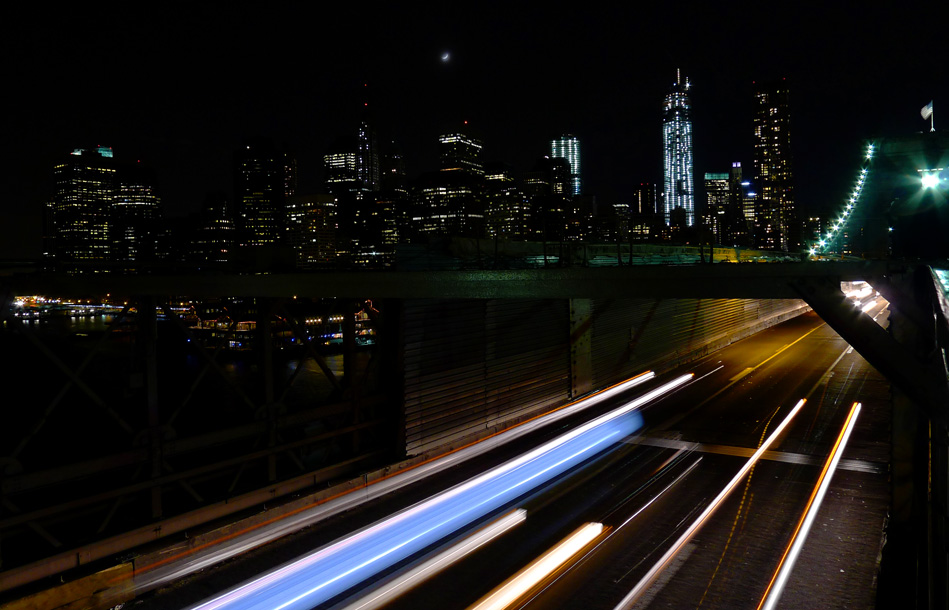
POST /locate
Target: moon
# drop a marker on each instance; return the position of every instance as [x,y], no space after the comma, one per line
[445,57]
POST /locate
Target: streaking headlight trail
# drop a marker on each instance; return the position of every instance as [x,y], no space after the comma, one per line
[315,578]
[522,582]
[630,600]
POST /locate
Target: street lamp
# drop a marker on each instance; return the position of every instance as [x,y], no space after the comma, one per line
[930,180]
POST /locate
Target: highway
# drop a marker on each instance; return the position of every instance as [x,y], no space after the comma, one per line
[650,488]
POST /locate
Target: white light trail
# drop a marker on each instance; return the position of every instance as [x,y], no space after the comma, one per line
[315,578]
[403,582]
[653,573]
[164,572]
[776,586]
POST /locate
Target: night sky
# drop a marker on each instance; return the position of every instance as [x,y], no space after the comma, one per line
[180,86]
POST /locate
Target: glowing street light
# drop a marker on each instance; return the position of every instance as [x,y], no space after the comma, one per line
[930,180]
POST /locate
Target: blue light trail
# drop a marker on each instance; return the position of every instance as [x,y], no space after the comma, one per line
[315,578]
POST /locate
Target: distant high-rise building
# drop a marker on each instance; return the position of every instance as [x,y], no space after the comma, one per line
[643,212]
[677,152]
[460,152]
[215,237]
[449,203]
[311,230]
[392,169]
[549,176]
[134,216]
[776,227]
[367,156]
[260,192]
[644,199]
[367,147]
[508,208]
[737,229]
[548,186]
[339,168]
[568,147]
[79,212]
[717,191]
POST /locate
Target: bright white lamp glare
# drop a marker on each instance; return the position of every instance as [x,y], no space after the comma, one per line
[930,180]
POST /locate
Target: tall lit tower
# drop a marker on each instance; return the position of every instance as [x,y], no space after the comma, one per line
[79,212]
[367,149]
[677,152]
[568,147]
[774,216]
[134,215]
[460,152]
[259,192]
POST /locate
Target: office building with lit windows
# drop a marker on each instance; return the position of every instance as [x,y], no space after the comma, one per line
[717,192]
[677,153]
[78,214]
[642,212]
[449,203]
[776,227]
[311,230]
[460,152]
[215,238]
[568,147]
[507,207]
[367,156]
[260,192]
[134,214]
[339,168]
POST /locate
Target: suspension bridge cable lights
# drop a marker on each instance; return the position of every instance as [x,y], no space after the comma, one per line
[832,237]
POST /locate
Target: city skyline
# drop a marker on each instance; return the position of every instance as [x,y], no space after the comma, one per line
[176,94]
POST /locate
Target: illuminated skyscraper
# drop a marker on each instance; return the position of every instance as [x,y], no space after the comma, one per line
[462,152]
[568,147]
[775,216]
[717,191]
[367,156]
[311,230]
[677,152]
[339,167]
[134,215]
[367,147]
[260,192]
[215,237]
[79,212]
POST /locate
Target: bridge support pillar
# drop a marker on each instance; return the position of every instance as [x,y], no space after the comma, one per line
[912,355]
[920,461]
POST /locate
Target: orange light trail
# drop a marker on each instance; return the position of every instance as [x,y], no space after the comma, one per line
[773,593]
[651,576]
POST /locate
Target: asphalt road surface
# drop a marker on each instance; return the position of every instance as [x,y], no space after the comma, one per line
[648,489]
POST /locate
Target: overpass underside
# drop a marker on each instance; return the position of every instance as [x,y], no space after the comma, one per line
[147,432]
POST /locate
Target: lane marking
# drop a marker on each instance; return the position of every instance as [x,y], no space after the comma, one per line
[774,456]
[673,421]
[741,374]
[650,577]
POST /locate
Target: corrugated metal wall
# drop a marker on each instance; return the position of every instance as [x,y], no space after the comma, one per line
[631,335]
[472,365]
